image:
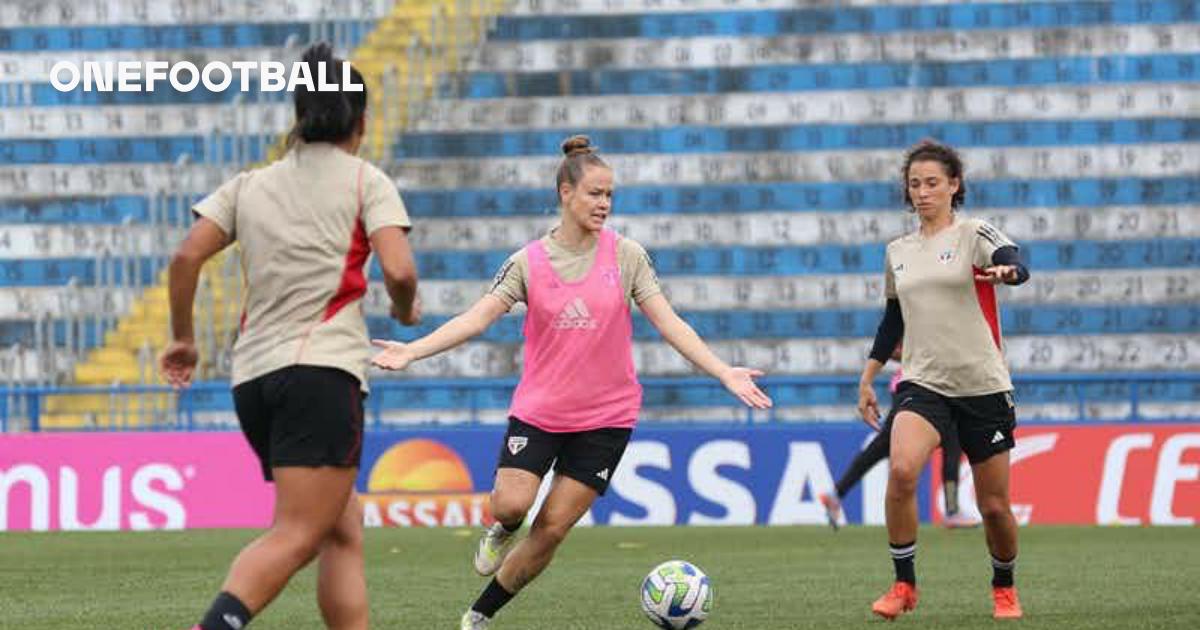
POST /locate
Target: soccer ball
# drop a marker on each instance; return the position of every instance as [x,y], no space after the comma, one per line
[676,595]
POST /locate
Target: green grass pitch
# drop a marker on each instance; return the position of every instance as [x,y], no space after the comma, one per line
[802,577]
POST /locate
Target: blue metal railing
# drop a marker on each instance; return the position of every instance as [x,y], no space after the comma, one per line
[25,408]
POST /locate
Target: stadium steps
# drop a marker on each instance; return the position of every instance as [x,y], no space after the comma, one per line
[130,350]
[389,48]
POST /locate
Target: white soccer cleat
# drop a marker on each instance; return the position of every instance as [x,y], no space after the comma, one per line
[958,520]
[833,508]
[472,620]
[493,548]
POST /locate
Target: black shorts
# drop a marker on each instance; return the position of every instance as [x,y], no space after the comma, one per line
[302,415]
[589,457]
[949,435]
[984,424]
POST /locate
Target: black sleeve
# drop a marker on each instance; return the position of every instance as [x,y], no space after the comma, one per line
[1008,255]
[891,331]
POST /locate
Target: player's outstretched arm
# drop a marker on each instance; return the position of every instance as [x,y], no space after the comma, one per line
[738,380]
[398,355]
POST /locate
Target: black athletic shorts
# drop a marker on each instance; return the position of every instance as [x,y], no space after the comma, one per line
[589,457]
[302,415]
[984,424]
[949,435]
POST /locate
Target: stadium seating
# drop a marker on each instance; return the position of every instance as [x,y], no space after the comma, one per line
[756,147]
[94,183]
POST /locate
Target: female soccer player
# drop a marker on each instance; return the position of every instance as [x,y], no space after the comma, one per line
[306,224]
[578,398]
[877,450]
[939,284]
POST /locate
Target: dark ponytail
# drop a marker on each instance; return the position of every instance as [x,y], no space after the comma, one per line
[327,116]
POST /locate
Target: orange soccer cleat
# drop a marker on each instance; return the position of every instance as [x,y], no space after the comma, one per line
[1007,605]
[901,598]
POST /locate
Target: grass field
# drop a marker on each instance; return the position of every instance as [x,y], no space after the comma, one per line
[763,578]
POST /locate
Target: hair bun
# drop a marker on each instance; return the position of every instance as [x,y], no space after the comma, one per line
[576,145]
[317,53]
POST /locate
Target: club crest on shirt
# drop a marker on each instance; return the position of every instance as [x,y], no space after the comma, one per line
[610,276]
[946,256]
[516,443]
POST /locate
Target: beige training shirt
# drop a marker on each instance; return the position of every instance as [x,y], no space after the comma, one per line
[303,223]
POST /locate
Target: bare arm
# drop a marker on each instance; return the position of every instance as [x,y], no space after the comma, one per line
[399,272]
[738,380]
[203,241]
[682,336]
[397,355]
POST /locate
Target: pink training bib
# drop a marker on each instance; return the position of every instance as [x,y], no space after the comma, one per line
[578,372]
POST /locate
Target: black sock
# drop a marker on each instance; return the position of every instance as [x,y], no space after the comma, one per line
[875,451]
[493,598]
[902,557]
[1002,572]
[226,613]
[512,529]
[950,490]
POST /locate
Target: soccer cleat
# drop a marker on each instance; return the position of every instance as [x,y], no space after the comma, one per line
[1007,606]
[473,620]
[833,509]
[958,520]
[901,598]
[493,548]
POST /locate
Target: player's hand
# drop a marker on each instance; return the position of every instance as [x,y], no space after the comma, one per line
[395,355]
[997,274]
[177,363]
[740,382]
[412,317]
[868,406]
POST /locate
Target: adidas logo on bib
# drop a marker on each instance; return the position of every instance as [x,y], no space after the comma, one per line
[575,316]
[999,437]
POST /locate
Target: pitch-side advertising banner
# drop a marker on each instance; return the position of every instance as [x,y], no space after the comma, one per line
[1106,474]
[108,481]
[668,476]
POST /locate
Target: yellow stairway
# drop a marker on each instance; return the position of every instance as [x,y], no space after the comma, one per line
[405,53]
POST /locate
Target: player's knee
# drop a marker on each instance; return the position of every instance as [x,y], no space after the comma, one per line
[993,508]
[551,532]
[903,475]
[300,542]
[509,508]
[348,532]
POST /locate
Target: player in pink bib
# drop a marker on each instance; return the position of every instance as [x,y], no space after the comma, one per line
[588,319]
[579,397]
